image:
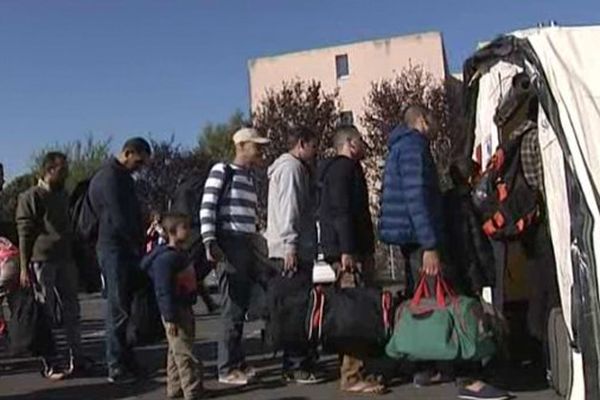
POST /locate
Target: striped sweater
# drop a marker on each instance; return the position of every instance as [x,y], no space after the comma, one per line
[236,211]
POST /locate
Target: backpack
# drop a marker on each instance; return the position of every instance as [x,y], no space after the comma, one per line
[83,217]
[187,198]
[507,205]
[84,223]
[9,266]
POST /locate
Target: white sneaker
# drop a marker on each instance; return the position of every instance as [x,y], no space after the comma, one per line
[234,378]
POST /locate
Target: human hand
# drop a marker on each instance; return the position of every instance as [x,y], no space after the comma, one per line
[25,280]
[431,263]
[290,263]
[171,329]
[213,253]
[348,263]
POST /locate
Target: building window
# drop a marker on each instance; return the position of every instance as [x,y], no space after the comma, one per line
[346,118]
[341,66]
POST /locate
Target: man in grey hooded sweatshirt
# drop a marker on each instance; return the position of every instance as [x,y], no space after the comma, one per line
[291,230]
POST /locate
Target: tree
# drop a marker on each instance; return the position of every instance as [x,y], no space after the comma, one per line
[215,141]
[385,105]
[296,104]
[85,157]
[169,166]
[8,204]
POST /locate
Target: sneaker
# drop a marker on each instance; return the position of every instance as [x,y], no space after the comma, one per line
[234,378]
[176,395]
[429,378]
[487,392]
[250,372]
[80,367]
[301,377]
[50,372]
[121,377]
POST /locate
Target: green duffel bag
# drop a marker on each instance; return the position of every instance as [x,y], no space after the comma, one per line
[475,335]
[440,327]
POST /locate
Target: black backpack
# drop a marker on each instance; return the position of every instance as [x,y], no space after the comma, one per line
[84,223]
[187,198]
[505,202]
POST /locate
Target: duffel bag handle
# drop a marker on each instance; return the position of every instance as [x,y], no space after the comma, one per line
[442,291]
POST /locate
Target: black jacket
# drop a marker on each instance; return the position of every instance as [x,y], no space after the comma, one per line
[114,200]
[344,215]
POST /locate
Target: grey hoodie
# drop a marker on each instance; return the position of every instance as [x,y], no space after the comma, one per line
[291,210]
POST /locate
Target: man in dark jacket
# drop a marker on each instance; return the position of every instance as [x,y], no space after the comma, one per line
[412,218]
[120,244]
[46,255]
[347,236]
[411,214]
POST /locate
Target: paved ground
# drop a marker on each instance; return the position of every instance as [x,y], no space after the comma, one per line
[19,379]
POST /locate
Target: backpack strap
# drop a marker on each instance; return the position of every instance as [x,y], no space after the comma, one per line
[227,183]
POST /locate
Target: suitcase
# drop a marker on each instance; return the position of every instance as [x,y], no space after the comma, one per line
[560,359]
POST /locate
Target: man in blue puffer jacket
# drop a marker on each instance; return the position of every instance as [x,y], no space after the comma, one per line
[411,215]
[412,218]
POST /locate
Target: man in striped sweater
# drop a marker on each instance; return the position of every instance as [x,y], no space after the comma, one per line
[228,225]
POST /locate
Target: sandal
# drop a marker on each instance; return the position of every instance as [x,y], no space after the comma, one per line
[364,387]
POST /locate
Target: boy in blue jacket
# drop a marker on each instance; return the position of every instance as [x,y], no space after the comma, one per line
[175,284]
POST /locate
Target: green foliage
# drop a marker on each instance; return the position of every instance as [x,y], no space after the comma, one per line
[169,166]
[297,104]
[8,203]
[84,156]
[215,141]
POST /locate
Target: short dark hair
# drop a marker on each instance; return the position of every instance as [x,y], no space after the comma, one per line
[51,159]
[299,134]
[170,221]
[343,134]
[413,113]
[138,145]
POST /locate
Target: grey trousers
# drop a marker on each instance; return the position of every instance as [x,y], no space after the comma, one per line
[56,286]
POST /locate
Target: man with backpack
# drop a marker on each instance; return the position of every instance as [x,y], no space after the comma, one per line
[412,218]
[347,235]
[46,258]
[228,224]
[120,244]
[291,232]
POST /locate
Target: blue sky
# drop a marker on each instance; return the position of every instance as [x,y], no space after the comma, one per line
[122,68]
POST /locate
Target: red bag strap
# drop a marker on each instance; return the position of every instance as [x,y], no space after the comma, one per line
[421,292]
[443,291]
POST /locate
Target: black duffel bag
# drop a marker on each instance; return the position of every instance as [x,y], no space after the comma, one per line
[29,328]
[287,301]
[145,323]
[355,321]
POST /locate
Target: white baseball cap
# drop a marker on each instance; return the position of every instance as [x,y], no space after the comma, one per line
[249,135]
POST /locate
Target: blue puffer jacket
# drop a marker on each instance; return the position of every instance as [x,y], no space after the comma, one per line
[411,202]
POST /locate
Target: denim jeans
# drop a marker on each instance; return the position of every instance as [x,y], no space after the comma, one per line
[119,268]
[240,272]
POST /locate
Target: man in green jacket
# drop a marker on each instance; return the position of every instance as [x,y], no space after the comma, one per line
[45,237]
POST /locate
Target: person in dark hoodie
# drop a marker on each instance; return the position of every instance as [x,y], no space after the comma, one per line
[121,234]
[412,218]
[347,235]
[175,285]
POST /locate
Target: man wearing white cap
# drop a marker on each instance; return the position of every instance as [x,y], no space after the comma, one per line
[228,224]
